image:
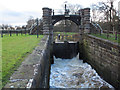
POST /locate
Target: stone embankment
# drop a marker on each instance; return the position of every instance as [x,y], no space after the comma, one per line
[104,56]
[34,70]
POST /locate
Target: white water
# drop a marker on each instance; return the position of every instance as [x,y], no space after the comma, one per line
[73,73]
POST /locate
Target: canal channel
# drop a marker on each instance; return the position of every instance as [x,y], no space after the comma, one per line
[73,73]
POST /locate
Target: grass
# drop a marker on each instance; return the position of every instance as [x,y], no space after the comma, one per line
[67,36]
[104,36]
[65,33]
[14,50]
[0,63]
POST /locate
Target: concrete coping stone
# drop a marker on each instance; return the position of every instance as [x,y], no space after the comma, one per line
[105,40]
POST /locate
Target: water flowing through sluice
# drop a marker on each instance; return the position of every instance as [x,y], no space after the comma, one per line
[73,73]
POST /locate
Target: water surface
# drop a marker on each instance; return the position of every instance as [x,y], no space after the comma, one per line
[73,73]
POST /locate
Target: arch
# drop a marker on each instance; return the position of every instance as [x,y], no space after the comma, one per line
[69,27]
[75,18]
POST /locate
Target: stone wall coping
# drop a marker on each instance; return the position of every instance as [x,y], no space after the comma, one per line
[104,40]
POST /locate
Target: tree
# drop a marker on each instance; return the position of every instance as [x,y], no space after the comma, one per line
[30,21]
[106,12]
[67,25]
[74,8]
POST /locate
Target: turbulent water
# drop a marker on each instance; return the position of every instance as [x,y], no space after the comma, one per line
[73,73]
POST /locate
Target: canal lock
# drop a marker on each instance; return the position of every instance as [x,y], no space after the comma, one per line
[68,71]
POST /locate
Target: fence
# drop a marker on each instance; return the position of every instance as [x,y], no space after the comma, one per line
[10,32]
[34,27]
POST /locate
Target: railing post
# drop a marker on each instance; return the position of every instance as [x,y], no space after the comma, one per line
[116,35]
[1,34]
[37,27]
[10,33]
[16,33]
[21,31]
[25,31]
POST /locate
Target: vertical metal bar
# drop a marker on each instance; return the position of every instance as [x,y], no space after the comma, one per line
[119,31]
[25,31]
[16,33]
[65,7]
[10,33]
[21,32]
[116,35]
[53,13]
[37,27]
[1,34]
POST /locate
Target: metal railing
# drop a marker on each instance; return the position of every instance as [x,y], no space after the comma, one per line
[97,26]
[35,24]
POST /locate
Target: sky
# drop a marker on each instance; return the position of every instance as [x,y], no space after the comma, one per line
[17,12]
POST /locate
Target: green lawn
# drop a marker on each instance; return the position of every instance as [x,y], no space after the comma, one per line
[14,50]
[104,36]
[0,63]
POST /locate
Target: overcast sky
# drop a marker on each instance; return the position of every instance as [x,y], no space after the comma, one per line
[17,12]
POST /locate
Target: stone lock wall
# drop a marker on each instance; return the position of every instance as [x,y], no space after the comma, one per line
[104,56]
[35,69]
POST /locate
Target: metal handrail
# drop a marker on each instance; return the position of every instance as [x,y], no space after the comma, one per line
[34,25]
[97,26]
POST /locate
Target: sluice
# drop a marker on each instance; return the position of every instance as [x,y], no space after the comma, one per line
[65,50]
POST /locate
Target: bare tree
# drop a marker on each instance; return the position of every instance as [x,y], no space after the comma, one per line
[106,13]
[74,8]
[68,25]
[30,21]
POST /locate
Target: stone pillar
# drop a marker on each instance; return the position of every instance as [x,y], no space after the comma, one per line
[47,20]
[81,27]
[86,20]
[84,28]
[48,29]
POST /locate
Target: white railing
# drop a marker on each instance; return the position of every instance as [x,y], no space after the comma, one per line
[36,23]
[97,26]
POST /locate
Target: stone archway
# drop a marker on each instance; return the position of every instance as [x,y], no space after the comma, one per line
[82,20]
[75,18]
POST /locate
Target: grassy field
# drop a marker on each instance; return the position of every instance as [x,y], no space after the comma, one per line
[111,37]
[14,50]
[0,63]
